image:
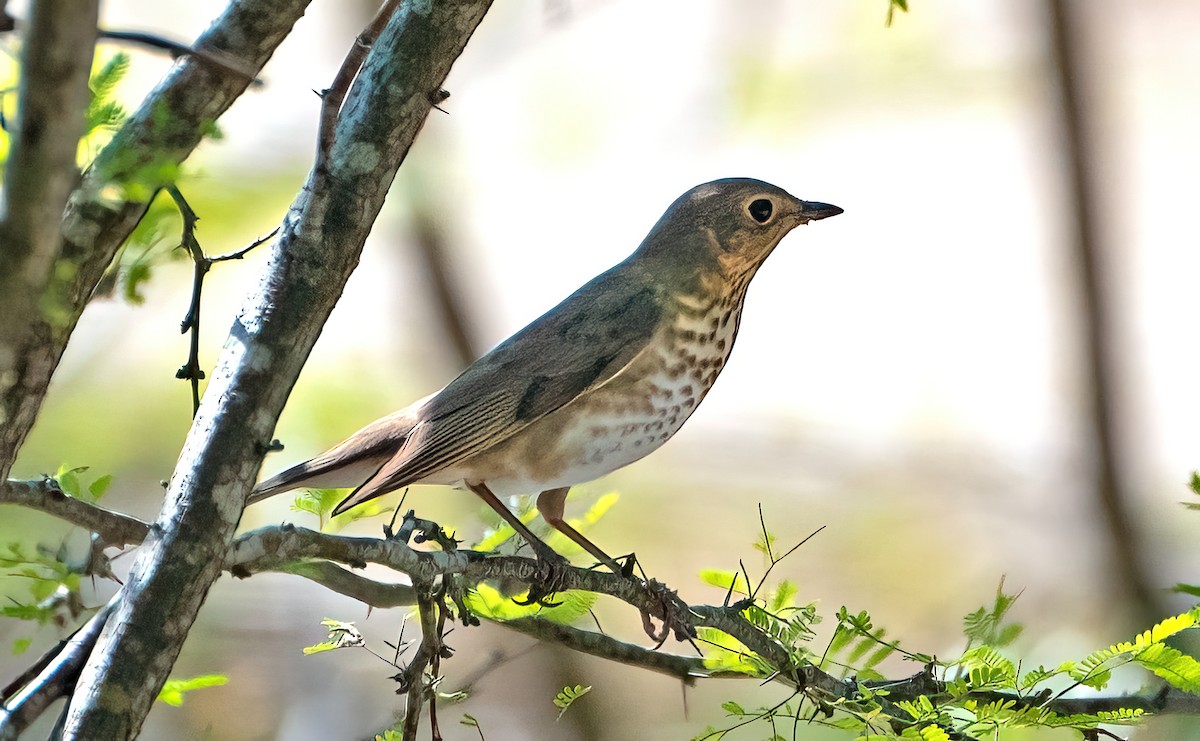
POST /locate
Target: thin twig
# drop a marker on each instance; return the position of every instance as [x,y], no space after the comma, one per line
[412,678]
[201,264]
[177,49]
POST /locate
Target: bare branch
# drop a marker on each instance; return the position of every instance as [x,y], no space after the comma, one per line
[177,49]
[343,581]
[114,528]
[1100,342]
[191,371]
[333,97]
[684,668]
[56,675]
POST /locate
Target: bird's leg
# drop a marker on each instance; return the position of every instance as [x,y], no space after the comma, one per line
[550,504]
[551,565]
[674,612]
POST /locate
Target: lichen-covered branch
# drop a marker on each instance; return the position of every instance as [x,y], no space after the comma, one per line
[54,677]
[56,57]
[318,247]
[107,203]
[318,556]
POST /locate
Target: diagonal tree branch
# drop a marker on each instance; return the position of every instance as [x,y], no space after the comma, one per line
[114,193]
[55,677]
[319,245]
[56,58]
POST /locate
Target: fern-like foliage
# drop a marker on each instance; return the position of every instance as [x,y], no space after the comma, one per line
[974,695]
[568,695]
[103,113]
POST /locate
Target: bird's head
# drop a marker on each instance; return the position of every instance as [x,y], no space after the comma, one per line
[729,225]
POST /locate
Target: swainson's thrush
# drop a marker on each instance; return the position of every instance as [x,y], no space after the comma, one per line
[594,384]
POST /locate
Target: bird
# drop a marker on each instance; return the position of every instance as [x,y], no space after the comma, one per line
[597,382]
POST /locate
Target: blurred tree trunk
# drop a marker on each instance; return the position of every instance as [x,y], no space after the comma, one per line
[1091,256]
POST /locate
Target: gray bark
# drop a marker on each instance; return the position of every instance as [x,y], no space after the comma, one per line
[319,245]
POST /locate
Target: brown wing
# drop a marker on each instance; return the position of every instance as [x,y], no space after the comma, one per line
[576,346]
[349,462]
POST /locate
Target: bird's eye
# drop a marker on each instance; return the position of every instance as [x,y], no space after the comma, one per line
[760,210]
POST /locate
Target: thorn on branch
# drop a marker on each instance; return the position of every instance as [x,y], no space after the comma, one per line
[439,96]
[333,96]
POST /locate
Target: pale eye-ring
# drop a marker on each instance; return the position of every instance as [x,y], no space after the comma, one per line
[760,209]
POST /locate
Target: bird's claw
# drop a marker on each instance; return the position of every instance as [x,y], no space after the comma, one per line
[674,613]
[628,564]
[549,578]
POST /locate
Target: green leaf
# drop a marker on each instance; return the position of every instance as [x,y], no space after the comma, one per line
[135,275]
[102,111]
[987,626]
[765,543]
[567,695]
[784,596]
[1178,669]
[1160,632]
[724,578]
[341,635]
[174,689]
[319,502]
[724,653]
[1190,589]
[486,601]
[573,605]
[68,479]
[733,708]
[934,733]
[97,488]
[21,645]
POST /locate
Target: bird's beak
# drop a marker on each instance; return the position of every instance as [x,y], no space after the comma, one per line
[813,210]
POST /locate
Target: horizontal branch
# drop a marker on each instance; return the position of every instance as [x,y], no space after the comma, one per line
[348,584]
[114,528]
[316,556]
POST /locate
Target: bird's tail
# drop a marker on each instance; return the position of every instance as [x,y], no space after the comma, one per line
[348,464]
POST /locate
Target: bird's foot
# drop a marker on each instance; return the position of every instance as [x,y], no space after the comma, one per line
[623,566]
[674,613]
[549,577]
[628,565]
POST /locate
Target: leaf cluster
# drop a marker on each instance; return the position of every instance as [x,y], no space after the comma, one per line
[976,694]
[49,578]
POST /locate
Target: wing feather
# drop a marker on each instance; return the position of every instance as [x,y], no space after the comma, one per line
[580,344]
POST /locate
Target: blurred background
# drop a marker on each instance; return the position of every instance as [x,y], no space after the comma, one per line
[912,375]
